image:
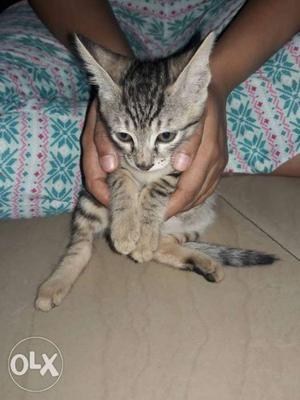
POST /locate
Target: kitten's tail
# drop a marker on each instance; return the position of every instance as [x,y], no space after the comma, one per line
[231,256]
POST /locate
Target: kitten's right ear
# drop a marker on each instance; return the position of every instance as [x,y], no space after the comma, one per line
[106,68]
[192,69]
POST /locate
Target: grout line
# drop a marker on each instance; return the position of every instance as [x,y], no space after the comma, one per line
[258,227]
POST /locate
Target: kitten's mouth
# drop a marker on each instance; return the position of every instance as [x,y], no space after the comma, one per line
[161,164]
[157,167]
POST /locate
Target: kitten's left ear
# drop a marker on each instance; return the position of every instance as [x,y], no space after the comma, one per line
[195,76]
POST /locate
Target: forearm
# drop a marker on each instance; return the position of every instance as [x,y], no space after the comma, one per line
[91,18]
[259,30]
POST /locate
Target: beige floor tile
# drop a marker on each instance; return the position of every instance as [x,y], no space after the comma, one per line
[27,250]
[149,332]
[270,202]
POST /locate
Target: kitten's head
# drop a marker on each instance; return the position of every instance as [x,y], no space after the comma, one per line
[149,107]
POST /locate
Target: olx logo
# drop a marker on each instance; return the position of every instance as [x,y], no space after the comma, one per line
[30,363]
[35,364]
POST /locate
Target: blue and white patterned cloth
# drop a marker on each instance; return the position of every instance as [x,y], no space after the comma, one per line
[44,95]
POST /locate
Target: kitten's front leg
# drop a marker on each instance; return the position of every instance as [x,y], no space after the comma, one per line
[152,204]
[125,224]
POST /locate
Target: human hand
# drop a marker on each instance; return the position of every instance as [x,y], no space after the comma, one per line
[202,158]
[99,155]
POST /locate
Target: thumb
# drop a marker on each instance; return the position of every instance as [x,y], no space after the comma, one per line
[107,153]
[185,154]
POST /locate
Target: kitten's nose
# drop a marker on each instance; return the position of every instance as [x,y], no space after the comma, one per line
[144,167]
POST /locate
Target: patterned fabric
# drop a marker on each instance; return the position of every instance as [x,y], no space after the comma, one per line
[43,100]
[263,114]
[158,28]
[44,95]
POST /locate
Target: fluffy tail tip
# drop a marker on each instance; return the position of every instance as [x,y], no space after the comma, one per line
[246,258]
[257,258]
[264,259]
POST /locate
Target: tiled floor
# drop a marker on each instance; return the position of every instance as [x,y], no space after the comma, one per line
[131,332]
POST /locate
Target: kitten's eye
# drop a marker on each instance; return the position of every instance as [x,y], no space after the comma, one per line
[124,137]
[166,137]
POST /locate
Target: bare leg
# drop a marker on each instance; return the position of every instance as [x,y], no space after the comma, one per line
[289,168]
[92,18]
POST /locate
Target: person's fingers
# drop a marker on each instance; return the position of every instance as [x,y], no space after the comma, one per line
[94,175]
[208,193]
[204,170]
[213,175]
[211,159]
[178,201]
[201,176]
[184,155]
[183,200]
[191,180]
[210,180]
[186,191]
[108,156]
[89,124]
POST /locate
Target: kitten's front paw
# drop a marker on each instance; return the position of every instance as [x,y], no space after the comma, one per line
[51,294]
[125,232]
[147,245]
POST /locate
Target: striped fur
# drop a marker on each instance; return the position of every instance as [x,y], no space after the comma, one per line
[143,93]
[150,108]
[233,257]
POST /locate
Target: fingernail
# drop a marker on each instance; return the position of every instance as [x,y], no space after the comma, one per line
[108,163]
[182,161]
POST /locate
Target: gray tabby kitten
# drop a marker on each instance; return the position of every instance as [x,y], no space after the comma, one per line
[149,109]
